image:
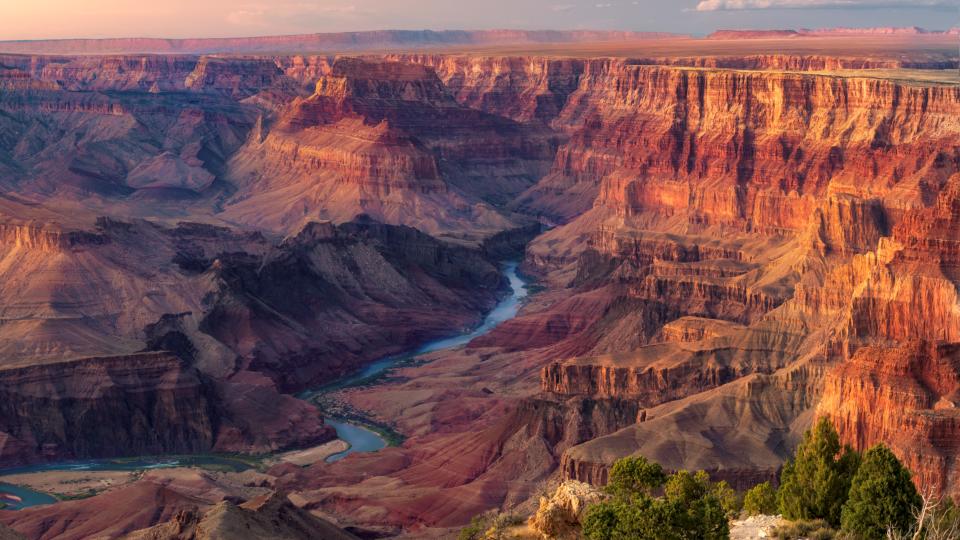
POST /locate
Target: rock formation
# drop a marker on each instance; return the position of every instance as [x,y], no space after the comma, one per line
[736,242]
[561,515]
[385,139]
[8,534]
[265,517]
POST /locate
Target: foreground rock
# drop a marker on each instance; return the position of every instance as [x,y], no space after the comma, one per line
[561,515]
[269,517]
[157,497]
[754,527]
[9,534]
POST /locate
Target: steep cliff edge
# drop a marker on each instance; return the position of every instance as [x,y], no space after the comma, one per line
[385,139]
[823,204]
[139,404]
[748,148]
[233,318]
[333,297]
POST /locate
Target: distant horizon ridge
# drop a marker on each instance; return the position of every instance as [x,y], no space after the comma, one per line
[362,40]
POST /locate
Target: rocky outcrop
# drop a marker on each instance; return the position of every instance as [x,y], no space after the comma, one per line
[522,88]
[912,390]
[267,516]
[561,515]
[116,143]
[9,534]
[664,143]
[386,139]
[35,237]
[235,77]
[333,297]
[747,421]
[127,405]
[156,497]
[143,404]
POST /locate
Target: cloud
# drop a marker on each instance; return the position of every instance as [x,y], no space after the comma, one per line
[739,5]
[563,8]
[604,6]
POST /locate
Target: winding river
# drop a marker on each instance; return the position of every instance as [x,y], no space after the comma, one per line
[358,437]
[362,439]
[14,497]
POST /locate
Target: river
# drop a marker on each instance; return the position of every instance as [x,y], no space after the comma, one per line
[362,439]
[18,497]
[358,437]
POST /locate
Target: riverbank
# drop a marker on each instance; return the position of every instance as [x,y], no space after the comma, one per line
[68,485]
[48,483]
[309,456]
[356,428]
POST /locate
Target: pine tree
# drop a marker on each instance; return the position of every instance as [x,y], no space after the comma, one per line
[760,499]
[882,497]
[635,475]
[815,484]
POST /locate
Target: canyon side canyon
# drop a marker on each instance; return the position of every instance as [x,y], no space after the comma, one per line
[725,239]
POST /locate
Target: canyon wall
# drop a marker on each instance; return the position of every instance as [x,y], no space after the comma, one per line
[138,404]
[733,245]
[802,219]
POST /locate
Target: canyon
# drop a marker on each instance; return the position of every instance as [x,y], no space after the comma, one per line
[724,244]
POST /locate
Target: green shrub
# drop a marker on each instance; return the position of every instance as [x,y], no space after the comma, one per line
[760,499]
[882,496]
[600,521]
[815,484]
[730,500]
[489,526]
[476,530]
[689,508]
[635,475]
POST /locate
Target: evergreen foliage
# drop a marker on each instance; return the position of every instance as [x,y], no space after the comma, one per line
[815,484]
[760,499]
[882,497]
[690,507]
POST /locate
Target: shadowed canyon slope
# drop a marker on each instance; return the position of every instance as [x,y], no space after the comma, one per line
[736,244]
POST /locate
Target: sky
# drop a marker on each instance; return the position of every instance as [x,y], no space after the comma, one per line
[39,19]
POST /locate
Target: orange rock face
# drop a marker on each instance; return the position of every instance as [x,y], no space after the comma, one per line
[857,209]
[911,391]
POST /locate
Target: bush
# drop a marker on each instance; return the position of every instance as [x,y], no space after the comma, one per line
[882,497]
[813,529]
[489,526]
[760,499]
[689,508]
[815,484]
[476,530]
[635,475]
[730,500]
